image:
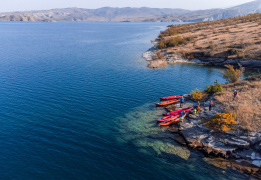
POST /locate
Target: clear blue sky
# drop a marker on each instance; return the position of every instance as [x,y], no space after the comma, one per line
[22,5]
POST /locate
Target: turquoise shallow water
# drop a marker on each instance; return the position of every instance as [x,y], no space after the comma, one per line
[77,102]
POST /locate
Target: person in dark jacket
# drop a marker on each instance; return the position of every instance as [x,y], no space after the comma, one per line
[235,94]
[181,101]
[210,105]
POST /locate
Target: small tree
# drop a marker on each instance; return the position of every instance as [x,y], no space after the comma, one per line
[197,94]
[214,89]
[233,75]
[162,45]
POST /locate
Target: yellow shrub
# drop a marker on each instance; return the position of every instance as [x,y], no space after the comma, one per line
[221,122]
[197,94]
[233,75]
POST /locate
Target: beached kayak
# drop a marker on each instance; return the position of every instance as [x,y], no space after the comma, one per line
[176,112]
[167,118]
[165,103]
[171,117]
[172,97]
[167,123]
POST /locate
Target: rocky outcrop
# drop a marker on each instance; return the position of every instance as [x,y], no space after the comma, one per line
[168,59]
[242,167]
[249,64]
[175,58]
[238,150]
[157,63]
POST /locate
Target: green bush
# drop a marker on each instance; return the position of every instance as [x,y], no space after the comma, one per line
[162,45]
[214,89]
[172,42]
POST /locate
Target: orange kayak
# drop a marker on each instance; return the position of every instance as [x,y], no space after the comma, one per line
[170,122]
[165,103]
[167,118]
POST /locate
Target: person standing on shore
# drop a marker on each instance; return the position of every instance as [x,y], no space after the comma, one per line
[181,101]
[235,94]
[181,118]
[195,111]
[198,108]
[210,105]
[215,82]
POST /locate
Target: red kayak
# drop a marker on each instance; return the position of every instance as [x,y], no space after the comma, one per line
[173,113]
[167,123]
[172,97]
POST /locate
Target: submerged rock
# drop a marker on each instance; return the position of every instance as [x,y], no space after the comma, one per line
[179,139]
[138,127]
[241,166]
[157,63]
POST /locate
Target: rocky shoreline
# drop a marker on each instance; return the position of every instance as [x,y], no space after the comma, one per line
[239,150]
[250,64]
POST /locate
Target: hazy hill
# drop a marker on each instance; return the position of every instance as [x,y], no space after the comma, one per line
[213,14]
[101,14]
[132,14]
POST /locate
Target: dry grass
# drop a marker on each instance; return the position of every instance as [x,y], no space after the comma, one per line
[230,39]
[247,104]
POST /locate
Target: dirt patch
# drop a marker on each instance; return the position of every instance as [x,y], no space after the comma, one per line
[246,105]
[234,38]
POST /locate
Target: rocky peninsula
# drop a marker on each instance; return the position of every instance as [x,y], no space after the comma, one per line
[239,149]
[221,42]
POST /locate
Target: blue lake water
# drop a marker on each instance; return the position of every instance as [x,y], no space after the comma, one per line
[78,102]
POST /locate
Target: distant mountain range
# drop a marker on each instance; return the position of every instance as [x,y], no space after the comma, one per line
[128,14]
[213,14]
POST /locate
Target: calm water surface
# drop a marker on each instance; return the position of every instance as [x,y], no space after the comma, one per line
[77,102]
